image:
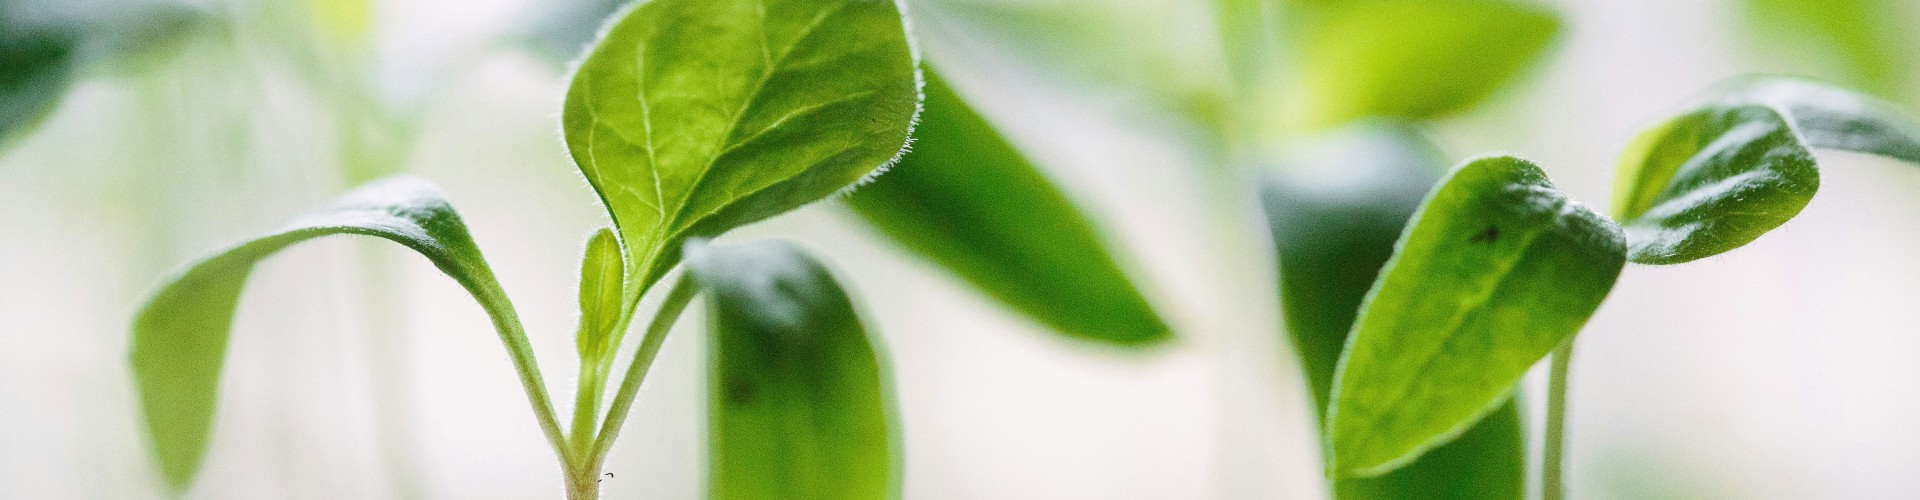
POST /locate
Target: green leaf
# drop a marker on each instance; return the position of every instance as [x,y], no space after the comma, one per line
[1409,59]
[692,117]
[1497,269]
[1865,42]
[1335,214]
[601,281]
[1740,164]
[969,201]
[799,404]
[36,66]
[180,337]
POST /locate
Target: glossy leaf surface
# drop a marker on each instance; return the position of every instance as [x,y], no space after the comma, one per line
[1336,212]
[691,117]
[1408,59]
[180,336]
[1740,164]
[968,200]
[799,402]
[1496,270]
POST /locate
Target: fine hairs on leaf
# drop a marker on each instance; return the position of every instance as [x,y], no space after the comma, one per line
[1496,270]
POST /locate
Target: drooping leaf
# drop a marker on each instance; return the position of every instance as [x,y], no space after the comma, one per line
[601,286]
[1496,270]
[1335,214]
[799,401]
[691,117]
[1408,59]
[1740,164]
[968,200]
[180,336]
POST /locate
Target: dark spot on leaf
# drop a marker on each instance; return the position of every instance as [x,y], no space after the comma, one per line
[1492,233]
[739,391]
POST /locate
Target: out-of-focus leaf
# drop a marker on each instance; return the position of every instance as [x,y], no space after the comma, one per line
[799,401]
[1408,59]
[1496,270]
[968,200]
[180,337]
[782,103]
[36,66]
[1739,164]
[1335,214]
[1866,42]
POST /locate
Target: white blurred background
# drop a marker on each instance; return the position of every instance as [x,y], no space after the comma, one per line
[1783,370]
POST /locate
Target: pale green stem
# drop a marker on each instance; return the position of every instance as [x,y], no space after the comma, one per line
[677,299]
[1553,452]
[586,407]
[514,336]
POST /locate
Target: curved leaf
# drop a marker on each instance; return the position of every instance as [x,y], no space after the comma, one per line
[1409,59]
[1741,164]
[1335,215]
[691,117]
[180,336]
[1496,270]
[968,200]
[799,402]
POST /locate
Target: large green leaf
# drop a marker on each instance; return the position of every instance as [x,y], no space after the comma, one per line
[799,404]
[1408,59]
[968,200]
[180,337]
[1496,270]
[1740,164]
[691,117]
[1335,214]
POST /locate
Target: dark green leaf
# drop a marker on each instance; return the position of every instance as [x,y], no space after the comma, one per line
[1496,270]
[799,403]
[1409,59]
[180,337]
[1740,164]
[691,117]
[1335,215]
[36,66]
[969,201]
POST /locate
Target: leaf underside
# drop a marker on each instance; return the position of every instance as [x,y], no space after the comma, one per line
[1741,164]
[799,402]
[968,200]
[180,337]
[1496,270]
[1332,238]
[691,117]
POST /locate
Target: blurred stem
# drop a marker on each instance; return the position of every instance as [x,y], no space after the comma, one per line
[1553,454]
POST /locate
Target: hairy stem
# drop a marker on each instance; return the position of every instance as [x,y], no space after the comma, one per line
[1553,453]
[586,408]
[682,293]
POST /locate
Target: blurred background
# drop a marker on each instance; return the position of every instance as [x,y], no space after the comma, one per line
[1779,371]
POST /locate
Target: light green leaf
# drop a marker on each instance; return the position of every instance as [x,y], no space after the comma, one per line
[1408,59]
[799,401]
[1863,42]
[692,117]
[601,280]
[1335,213]
[1740,164]
[1496,270]
[968,200]
[180,337]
